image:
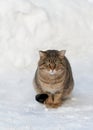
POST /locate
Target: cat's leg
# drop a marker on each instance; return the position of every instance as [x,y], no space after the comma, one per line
[49,101]
[57,100]
[54,100]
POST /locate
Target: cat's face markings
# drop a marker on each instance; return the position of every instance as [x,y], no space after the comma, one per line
[51,61]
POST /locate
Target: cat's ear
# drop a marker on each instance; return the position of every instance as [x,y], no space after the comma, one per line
[62,53]
[42,54]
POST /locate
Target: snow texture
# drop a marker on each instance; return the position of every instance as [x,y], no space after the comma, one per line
[27,26]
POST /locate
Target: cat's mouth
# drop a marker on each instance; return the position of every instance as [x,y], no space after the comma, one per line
[52,72]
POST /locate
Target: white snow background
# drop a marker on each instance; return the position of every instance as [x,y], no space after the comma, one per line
[27,26]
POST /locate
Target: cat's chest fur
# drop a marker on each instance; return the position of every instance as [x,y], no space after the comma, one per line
[51,85]
[51,88]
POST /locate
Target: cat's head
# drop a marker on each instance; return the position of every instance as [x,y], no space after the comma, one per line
[51,61]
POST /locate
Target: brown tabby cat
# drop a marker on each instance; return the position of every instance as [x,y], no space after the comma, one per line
[53,77]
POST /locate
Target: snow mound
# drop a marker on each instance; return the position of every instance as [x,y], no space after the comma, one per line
[23,28]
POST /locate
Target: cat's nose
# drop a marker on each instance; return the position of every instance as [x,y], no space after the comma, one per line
[52,67]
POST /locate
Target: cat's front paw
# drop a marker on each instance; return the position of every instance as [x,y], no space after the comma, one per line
[53,105]
[49,103]
[56,105]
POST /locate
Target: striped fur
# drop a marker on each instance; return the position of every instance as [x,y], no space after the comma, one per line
[54,77]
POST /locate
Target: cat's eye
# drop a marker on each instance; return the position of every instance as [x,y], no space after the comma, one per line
[43,63]
[57,63]
[42,66]
[47,62]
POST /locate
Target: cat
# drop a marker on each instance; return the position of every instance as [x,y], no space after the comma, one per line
[53,77]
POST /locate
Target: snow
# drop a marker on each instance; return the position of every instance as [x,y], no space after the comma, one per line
[27,26]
